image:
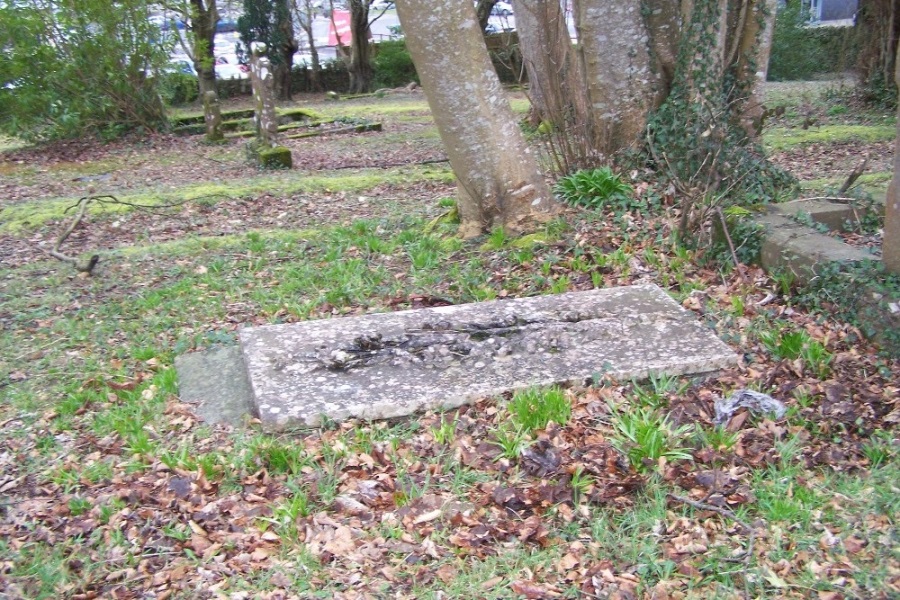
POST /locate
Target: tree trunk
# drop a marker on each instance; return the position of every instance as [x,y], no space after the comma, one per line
[891,241]
[306,13]
[878,31]
[287,46]
[483,10]
[556,88]
[360,67]
[663,19]
[499,183]
[621,85]
[203,18]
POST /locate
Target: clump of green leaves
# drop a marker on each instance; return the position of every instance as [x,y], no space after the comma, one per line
[71,69]
[645,436]
[596,188]
[798,344]
[534,408]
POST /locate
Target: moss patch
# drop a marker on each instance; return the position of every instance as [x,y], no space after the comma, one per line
[520,105]
[781,138]
[25,216]
[873,183]
[9,143]
[278,157]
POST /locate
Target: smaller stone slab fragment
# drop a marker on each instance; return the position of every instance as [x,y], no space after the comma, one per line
[393,364]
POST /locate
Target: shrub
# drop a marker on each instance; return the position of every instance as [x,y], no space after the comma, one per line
[393,65]
[72,69]
[801,52]
[179,88]
[596,188]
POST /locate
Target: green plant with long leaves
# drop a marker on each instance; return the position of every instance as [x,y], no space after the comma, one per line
[597,189]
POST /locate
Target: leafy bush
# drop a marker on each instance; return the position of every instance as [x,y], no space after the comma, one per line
[179,88]
[596,188]
[800,52]
[71,69]
[393,65]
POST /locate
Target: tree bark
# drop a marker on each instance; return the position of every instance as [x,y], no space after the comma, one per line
[621,85]
[556,88]
[483,9]
[203,18]
[499,183]
[307,13]
[891,242]
[286,48]
[360,67]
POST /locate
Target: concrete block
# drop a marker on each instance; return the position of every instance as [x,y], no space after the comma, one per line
[791,245]
[216,381]
[394,364]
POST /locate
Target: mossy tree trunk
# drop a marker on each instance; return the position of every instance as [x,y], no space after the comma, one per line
[499,183]
[703,134]
[201,17]
[891,243]
[286,46]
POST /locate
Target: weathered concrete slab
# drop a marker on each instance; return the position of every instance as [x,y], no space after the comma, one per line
[216,381]
[393,364]
[791,245]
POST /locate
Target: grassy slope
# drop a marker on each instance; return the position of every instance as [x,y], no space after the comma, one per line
[97,443]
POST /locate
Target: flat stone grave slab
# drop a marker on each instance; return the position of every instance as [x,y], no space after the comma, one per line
[393,364]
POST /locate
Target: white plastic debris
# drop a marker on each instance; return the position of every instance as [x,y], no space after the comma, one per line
[755,401]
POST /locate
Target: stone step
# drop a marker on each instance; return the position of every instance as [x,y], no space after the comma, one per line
[394,364]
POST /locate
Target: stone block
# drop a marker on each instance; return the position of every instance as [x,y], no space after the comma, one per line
[394,364]
[216,382]
[791,245]
[278,157]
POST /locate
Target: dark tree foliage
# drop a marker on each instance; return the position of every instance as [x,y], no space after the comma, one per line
[68,71]
[270,22]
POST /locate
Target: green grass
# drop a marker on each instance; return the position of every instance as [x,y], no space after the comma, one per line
[97,355]
[779,139]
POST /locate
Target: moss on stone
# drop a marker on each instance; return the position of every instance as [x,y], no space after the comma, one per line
[278,157]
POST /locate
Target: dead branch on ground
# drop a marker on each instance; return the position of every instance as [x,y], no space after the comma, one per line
[81,210]
[853,176]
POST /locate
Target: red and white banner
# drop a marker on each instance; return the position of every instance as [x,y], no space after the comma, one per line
[340,20]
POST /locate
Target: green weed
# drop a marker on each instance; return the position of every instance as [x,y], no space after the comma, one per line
[534,408]
[644,437]
[597,189]
[512,440]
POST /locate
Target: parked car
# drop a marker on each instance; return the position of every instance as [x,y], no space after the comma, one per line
[502,9]
[226,26]
[382,5]
[228,67]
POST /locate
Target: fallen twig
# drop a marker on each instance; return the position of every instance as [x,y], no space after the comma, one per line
[734,257]
[88,266]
